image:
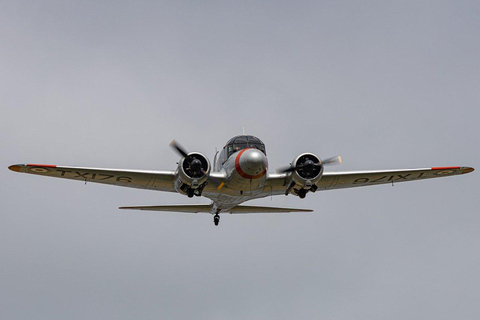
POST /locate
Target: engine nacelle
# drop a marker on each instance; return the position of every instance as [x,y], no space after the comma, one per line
[309,171]
[192,174]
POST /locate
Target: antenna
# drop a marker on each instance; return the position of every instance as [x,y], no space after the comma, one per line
[243,129]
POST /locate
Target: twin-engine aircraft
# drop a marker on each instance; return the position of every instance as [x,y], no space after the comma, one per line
[239,174]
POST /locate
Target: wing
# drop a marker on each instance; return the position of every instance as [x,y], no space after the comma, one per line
[340,180]
[277,183]
[141,179]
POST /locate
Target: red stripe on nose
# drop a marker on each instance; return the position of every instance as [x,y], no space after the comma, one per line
[241,172]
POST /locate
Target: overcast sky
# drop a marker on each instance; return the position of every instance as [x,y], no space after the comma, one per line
[385,84]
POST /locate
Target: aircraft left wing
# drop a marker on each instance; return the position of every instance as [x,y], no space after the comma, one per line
[277,182]
[141,179]
[340,180]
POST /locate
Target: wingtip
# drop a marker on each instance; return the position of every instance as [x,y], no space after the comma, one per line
[467,170]
[15,167]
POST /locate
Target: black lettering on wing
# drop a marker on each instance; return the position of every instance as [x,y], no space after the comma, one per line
[360,180]
[404,177]
[80,175]
[104,176]
[63,172]
[124,179]
[378,180]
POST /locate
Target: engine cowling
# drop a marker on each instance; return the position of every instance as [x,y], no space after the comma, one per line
[192,174]
[308,172]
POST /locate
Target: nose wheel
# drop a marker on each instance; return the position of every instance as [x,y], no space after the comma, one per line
[216,219]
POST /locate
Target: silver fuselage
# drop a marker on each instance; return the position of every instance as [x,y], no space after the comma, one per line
[245,173]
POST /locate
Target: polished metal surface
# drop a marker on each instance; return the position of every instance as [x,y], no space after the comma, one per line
[240,175]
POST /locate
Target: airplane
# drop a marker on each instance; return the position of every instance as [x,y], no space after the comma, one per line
[239,174]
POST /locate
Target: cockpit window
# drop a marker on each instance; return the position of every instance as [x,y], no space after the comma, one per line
[242,142]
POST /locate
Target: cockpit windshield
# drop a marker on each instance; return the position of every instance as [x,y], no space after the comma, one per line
[242,142]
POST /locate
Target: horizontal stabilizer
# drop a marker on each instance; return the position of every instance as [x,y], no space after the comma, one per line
[192,208]
[255,209]
[195,208]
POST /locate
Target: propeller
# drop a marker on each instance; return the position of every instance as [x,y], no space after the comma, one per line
[178,147]
[309,165]
[332,160]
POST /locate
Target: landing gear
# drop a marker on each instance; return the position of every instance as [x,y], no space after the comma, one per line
[290,186]
[216,219]
[190,192]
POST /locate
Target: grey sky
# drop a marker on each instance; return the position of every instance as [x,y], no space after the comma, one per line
[385,84]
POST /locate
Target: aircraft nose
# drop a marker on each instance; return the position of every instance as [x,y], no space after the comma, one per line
[251,163]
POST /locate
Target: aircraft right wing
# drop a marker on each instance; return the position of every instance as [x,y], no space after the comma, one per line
[141,179]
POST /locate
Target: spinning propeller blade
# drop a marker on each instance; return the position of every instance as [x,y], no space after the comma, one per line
[178,148]
[332,160]
[326,162]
